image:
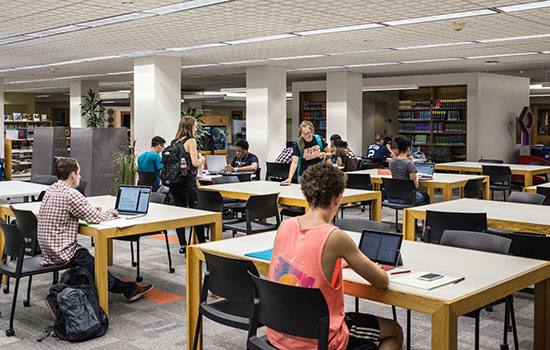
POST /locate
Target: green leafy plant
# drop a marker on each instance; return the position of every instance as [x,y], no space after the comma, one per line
[92,110]
[125,167]
[202,134]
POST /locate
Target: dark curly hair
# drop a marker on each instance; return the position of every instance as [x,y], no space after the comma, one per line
[321,183]
[403,142]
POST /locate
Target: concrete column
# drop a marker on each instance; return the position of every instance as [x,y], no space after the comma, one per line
[132,115]
[2,116]
[157,99]
[78,89]
[266,112]
[345,107]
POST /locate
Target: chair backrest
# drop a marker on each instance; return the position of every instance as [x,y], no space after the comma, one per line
[225,179]
[536,162]
[359,181]
[401,189]
[27,224]
[546,192]
[14,242]
[439,221]
[41,196]
[531,160]
[497,173]
[277,171]
[358,225]
[157,197]
[229,278]
[472,189]
[532,246]
[244,177]
[43,179]
[297,311]
[82,186]
[494,161]
[258,174]
[209,200]
[262,207]
[476,241]
[147,178]
[526,197]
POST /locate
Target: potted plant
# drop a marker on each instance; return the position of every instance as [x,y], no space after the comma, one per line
[125,165]
[92,110]
[202,134]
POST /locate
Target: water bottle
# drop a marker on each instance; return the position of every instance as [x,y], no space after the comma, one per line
[183,163]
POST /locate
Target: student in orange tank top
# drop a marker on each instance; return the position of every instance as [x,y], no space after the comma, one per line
[308,252]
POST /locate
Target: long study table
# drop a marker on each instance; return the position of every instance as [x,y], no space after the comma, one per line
[16,189]
[533,189]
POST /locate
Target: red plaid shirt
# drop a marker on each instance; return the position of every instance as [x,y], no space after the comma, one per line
[60,210]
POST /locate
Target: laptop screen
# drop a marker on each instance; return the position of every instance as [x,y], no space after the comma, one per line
[381,247]
[133,199]
[215,163]
[425,168]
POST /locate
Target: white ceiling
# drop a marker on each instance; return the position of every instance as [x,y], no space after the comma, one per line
[242,19]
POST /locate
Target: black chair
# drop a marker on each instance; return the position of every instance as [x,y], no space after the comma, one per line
[532,246]
[147,178]
[277,171]
[159,198]
[257,209]
[370,163]
[44,179]
[545,191]
[230,280]
[439,221]
[500,178]
[82,186]
[244,177]
[358,225]
[488,243]
[296,311]
[211,201]
[472,189]
[225,179]
[398,189]
[526,198]
[358,182]
[491,161]
[258,174]
[230,204]
[18,266]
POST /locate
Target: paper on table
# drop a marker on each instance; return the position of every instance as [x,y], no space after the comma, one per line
[120,223]
[412,280]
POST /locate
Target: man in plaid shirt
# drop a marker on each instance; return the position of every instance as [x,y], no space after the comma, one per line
[285,156]
[61,208]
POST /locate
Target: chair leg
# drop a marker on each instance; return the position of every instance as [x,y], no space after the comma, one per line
[138,277]
[476,336]
[10,332]
[504,345]
[27,302]
[55,277]
[356,305]
[7,287]
[134,264]
[341,211]
[513,320]
[394,312]
[92,241]
[408,329]
[397,221]
[197,330]
[170,267]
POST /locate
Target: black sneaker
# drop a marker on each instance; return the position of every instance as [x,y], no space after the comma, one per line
[139,292]
[52,306]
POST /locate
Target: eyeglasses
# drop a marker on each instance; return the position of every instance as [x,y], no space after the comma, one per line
[307,133]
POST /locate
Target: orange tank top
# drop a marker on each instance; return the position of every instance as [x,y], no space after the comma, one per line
[297,260]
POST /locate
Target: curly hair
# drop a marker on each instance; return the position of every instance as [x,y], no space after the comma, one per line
[321,183]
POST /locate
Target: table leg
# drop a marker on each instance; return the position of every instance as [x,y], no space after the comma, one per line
[444,329]
[462,192]
[542,315]
[216,229]
[431,193]
[447,193]
[376,208]
[4,279]
[194,284]
[409,225]
[376,187]
[110,247]
[528,180]
[486,189]
[101,280]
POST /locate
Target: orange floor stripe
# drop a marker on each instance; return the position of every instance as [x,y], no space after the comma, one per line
[159,296]
[160,236]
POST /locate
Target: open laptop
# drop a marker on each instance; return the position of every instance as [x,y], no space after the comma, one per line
[382,247]
[425,171]
[133,201]
[216,164]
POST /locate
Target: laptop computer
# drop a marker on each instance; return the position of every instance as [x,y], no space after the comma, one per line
[382,247]
[133,201]
[215,164]
[425,170]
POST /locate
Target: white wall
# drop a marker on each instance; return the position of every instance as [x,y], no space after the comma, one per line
[378,109]
[298,87]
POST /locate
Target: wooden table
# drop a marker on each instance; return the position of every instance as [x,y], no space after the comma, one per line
[160,217]
[292,194]
[503,215]
[527,171]
[446,182]
[16,189]
[533,189]
[488,277]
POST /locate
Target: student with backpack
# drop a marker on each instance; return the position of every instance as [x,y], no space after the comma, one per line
[308,150]
[181,161]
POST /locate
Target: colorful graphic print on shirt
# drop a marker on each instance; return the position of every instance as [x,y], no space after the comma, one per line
[288,274]
[312,152]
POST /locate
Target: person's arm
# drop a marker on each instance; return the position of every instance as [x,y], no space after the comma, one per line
[413,175]
[251,167]
[158,163]
[390,154]
[80,208]
[231,167]
[194,154]
[340,245]
[292,170]
[339,161]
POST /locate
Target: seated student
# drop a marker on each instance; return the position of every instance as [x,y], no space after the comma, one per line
[308,252]
[61,209]
[345,156]
[244,160]
[403,168]
[151,160]
[378,150]
[388,143]
[285,156]
[332,154]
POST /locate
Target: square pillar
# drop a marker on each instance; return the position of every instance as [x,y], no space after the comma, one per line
[78,89]
[2,116]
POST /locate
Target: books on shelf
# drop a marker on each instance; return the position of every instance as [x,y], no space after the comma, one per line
[450,139]
[412,104]
[420,139]
[450,103]
[413,115]
[410,127]
[449,127]
[315,105]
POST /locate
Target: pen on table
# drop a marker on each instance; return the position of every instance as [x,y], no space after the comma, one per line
[398,272]
[459,280]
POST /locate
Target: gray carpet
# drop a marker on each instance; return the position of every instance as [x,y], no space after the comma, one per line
[147,325]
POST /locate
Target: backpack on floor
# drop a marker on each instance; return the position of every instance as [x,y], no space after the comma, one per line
[79,316]
[174,165]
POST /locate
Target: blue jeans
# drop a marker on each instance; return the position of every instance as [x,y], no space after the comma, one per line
[421,198]
[84,259]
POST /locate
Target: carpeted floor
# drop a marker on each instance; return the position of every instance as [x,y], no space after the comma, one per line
[147,324]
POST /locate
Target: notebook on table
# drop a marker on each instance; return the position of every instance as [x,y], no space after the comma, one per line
[133,201]
[382,247]
[216,164]
[425,171]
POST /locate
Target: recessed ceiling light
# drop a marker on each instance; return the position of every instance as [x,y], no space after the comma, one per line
[536,36]
[391,87]
[357,52]
[182,6]
[13,39]
[243,62]
[261,38]
[54,31]
[193,47]
[317,68]
[339,29]
[115,19]
[527,6]
[295,57]
[200,65]
[440,17]
[502,55]
[371,64]
[434,60]
[433,45]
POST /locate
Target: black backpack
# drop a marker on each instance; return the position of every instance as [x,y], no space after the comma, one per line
[173,174]
[79,316]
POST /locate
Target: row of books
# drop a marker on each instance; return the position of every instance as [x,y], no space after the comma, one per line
[422,139]
[420,127]
[449,127]
[25,117]
[450,140]
[411,115]
[408,104]
[315,115]
[450,103]
[447,115]
[315,105]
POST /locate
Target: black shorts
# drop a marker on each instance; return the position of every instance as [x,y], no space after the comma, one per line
[363,330]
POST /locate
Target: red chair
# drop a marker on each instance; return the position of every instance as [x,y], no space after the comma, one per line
[531,160]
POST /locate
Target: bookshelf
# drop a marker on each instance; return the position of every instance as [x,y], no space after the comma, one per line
[435,116]
[313,107]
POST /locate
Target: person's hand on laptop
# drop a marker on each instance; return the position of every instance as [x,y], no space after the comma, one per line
[229,168]
[98,208]
[114,211]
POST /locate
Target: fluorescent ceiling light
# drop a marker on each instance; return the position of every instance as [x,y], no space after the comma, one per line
[100,58]
[13,39]
[238,89]
[440,17]
[543,95]
[149,52]
[260,38]
[502,55]
[182,6]
[200,65]
[339,29]
[391,87]
[64,62]
[69,77]
[318,68]
[371,64]
[295,57]
[434,45]
[115,19]
[434,60]
[54,31]
[40,96]
[539,86]
[527,6]
[536,36]
[357,52]
[243,62]
[193,47]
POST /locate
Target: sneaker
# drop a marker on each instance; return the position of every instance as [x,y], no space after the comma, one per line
[52,306]
[139,292]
